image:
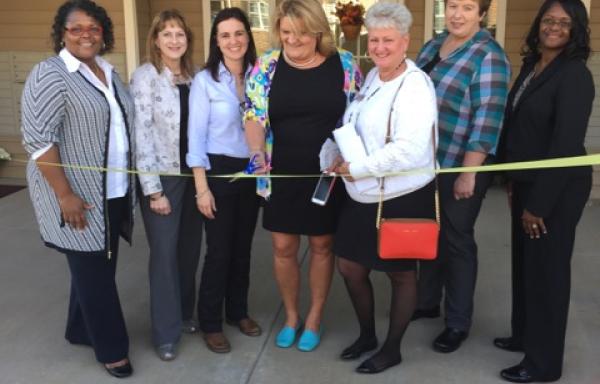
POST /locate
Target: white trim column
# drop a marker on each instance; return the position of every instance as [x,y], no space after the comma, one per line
[132,49]
[501,22]
[428,22]
[588,4]
[206,26]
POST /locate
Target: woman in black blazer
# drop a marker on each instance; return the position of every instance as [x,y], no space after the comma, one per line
[546,117]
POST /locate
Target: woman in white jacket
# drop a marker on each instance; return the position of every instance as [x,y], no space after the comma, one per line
[394,84]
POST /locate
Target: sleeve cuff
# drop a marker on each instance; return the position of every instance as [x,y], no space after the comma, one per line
[195,161]
[358,170]
[37,154]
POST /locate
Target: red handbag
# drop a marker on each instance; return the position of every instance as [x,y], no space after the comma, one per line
[412,238]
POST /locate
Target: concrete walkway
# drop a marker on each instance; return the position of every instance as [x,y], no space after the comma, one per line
[34,287]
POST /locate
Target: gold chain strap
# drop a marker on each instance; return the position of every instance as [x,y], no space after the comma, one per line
[388,138]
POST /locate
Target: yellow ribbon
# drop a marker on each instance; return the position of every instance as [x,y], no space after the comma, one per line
[563,162]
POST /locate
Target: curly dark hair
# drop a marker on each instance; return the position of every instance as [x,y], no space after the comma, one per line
[91,9]
[578,46]
[215,56]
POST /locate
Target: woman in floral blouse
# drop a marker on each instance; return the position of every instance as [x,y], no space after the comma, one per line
[296,96]
[173,226]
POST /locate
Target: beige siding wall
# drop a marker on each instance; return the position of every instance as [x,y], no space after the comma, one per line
[144,19]
[417,8]
[519,16]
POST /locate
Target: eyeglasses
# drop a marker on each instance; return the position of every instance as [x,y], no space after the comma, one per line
[563,24]
[79,31]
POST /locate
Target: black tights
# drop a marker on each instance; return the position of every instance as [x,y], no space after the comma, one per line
[404,298]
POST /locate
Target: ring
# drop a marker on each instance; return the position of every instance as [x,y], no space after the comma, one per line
[533,225]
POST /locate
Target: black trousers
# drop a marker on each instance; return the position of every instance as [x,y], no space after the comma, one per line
[455,269]
[226,272]
[95,317]
[542,278]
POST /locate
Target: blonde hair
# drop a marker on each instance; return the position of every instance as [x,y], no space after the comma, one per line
[311,13]
[153,52]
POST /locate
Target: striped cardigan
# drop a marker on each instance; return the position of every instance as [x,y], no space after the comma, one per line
[66,109]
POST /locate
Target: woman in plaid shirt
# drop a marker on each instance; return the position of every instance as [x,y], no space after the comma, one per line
[471,74]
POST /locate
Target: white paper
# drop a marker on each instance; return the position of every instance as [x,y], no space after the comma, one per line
[352,149]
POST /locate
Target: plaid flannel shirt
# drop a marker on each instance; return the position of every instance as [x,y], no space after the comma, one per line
[472,87]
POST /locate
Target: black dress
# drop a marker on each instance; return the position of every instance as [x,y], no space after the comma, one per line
[305,106]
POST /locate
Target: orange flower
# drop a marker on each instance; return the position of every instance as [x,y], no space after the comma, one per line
[350,12]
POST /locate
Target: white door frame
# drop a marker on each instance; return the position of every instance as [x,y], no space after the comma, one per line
[132,49]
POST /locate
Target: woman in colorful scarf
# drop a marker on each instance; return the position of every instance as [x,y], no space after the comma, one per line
[296,96]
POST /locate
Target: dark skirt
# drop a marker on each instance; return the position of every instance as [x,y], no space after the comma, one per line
[356,236]
[290,209]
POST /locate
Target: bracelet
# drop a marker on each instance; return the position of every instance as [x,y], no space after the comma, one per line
[156,198]
[199,195]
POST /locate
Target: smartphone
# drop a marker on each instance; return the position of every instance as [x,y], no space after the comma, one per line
[323,189]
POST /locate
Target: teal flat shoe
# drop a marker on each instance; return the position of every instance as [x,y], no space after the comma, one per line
[309,340]
[287,336]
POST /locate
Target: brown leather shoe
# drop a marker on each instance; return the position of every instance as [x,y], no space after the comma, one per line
[217,342]
[247,326]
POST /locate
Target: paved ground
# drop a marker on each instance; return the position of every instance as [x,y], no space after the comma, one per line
[34,284]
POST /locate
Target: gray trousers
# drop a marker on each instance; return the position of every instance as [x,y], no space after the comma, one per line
[455,269]
[167,243]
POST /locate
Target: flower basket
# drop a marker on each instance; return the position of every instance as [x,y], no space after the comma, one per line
[351,17]
[351,31]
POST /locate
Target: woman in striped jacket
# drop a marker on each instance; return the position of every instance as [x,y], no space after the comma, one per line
[77,112]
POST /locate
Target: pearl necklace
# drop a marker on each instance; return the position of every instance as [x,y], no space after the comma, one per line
[297,64]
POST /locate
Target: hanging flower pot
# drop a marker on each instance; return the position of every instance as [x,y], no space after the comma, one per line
[351,18]
[351,31]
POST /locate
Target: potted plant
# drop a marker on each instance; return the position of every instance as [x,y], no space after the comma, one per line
[351,17]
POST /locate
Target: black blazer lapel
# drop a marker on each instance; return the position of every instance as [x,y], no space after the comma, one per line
[547,74]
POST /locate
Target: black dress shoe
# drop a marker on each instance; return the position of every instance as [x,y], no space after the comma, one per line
[121,371]
[449,340]
[508,344]
[429,313]
[358,348]
[517,374]
[369,367]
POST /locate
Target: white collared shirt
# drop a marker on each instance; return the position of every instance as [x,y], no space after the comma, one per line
[118,145]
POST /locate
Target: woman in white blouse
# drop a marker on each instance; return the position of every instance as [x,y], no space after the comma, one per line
[217,146]
[395,83]
[173,227]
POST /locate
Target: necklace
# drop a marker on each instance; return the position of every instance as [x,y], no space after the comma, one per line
[392,72]
[297,64]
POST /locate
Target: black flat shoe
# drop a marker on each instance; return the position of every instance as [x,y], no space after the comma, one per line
[517,374]
[357,349]
[369,367]
[449,340]
[428,313]
[508,344]
[121,371]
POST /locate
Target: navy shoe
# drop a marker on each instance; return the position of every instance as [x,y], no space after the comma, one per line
[120,372]
[449,340]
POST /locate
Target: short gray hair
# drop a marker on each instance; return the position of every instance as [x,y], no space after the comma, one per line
[389,15]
